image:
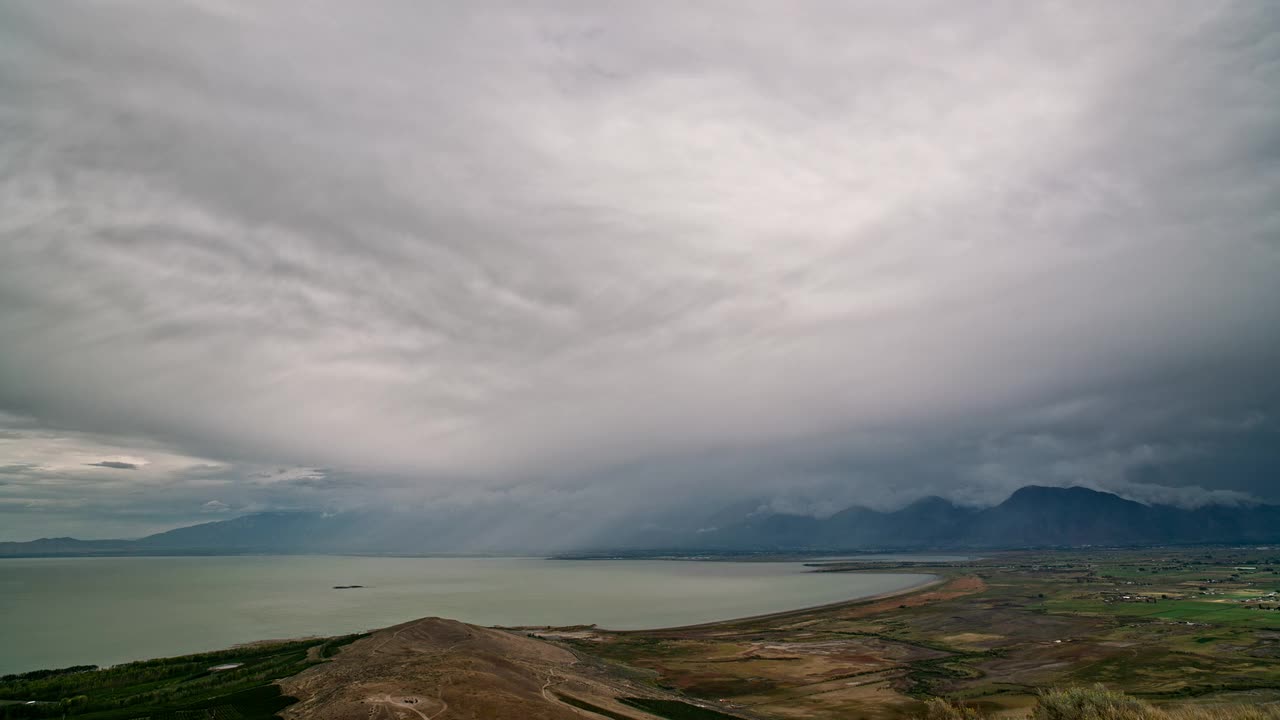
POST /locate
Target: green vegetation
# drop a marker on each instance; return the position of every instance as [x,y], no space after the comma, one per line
[177,688]
[676,710]
[1098,703]
[330,647]
[1224,611]
[42,674]
[606,712]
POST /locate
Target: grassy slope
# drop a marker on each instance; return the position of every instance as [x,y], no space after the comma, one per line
[178,688]
[1097,703]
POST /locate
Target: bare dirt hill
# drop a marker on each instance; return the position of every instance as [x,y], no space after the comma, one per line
[436,668]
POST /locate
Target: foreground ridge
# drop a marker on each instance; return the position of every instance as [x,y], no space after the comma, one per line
[432,668]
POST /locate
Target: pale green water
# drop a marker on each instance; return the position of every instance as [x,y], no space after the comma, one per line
[71,611]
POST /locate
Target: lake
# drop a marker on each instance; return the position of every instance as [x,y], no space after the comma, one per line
[56,612]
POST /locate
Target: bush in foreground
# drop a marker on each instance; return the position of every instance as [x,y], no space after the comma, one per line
[1098,703]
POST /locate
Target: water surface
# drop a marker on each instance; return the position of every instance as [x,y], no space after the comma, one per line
[56,612]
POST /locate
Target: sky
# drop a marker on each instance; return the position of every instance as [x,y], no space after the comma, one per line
[631,259]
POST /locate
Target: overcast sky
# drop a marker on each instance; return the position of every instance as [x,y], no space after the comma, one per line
[616,256]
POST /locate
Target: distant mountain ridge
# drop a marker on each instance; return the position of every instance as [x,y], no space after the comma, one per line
[1033,516]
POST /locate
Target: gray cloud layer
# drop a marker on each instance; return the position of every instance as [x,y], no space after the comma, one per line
[638,255]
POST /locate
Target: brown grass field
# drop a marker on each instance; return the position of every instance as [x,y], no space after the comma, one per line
[1176,627]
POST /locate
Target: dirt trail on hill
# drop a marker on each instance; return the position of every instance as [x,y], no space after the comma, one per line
[436,669]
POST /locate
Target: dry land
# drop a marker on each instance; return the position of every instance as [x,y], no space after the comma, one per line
[1169,625]
[1197,626]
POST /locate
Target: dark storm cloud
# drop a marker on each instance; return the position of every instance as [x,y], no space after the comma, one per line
[115,464]
[649,257]
[18,469]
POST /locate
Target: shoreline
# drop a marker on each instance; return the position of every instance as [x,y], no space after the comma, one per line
[931,581]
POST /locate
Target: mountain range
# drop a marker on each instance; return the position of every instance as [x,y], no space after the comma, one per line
[1031,517]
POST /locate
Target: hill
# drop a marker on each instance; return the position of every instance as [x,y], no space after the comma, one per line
[423,668]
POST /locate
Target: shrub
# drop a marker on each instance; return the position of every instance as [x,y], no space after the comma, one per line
[1226,712]
[1098,703]
[941,709]
[1095,703]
